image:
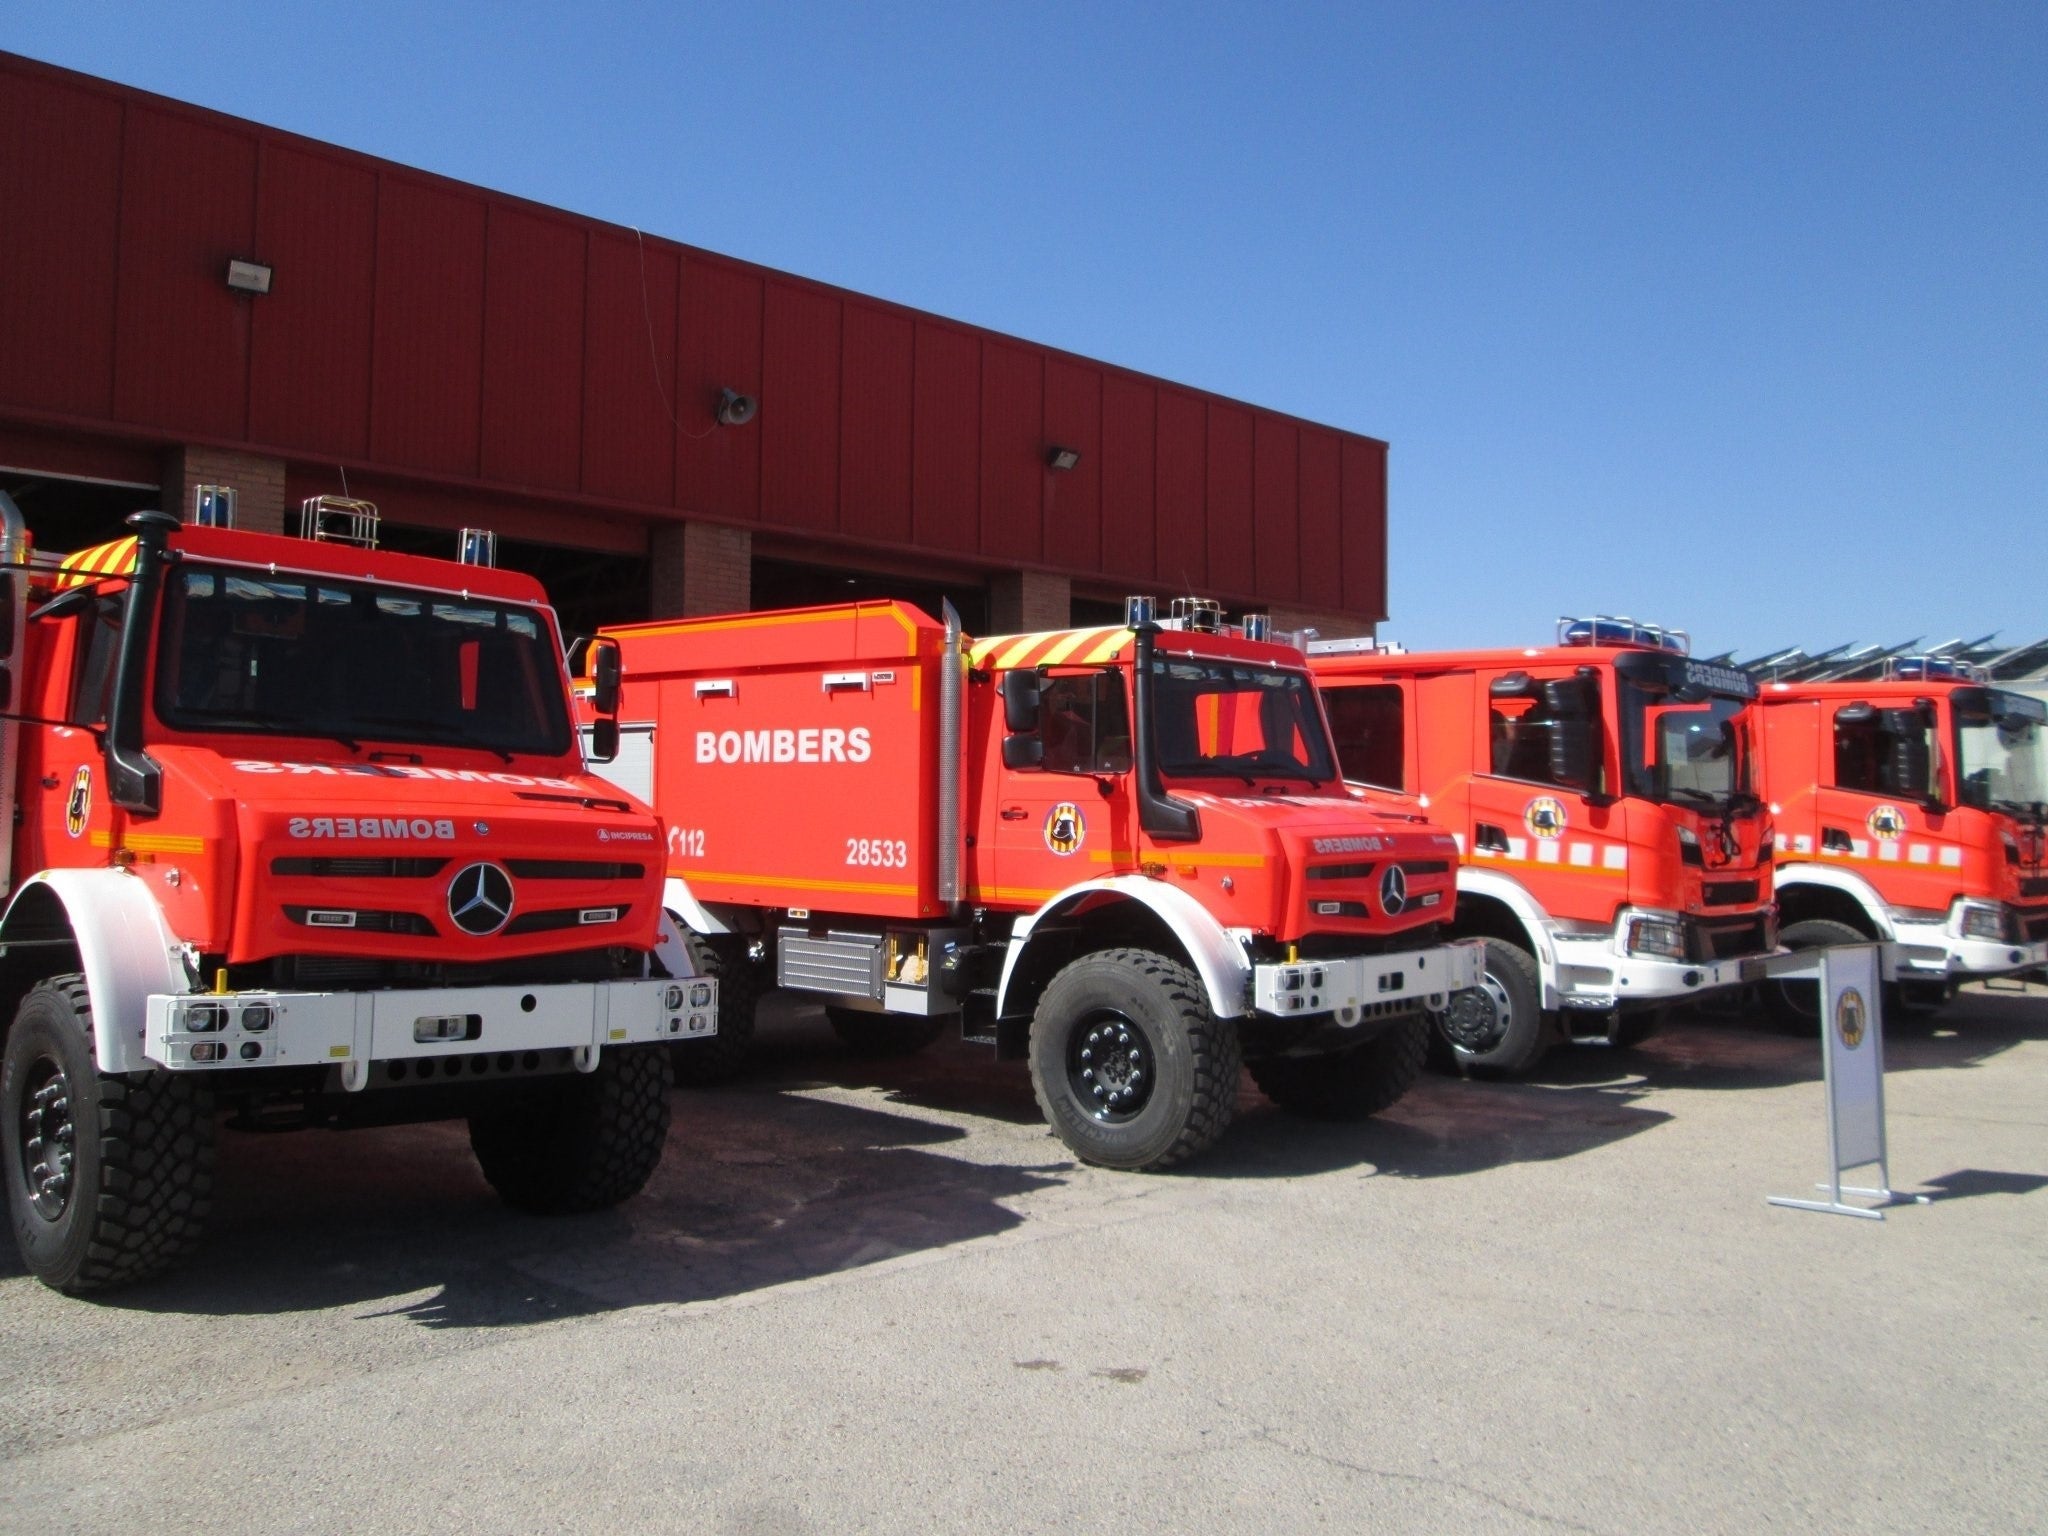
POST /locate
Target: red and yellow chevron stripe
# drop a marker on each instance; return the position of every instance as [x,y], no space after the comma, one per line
[1076,647]
[90,565]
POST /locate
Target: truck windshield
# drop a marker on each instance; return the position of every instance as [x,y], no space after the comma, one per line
[1219,719]
[279,654]
[2002,756]
[1686,751]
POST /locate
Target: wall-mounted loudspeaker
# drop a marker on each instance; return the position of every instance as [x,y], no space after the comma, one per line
[735,409]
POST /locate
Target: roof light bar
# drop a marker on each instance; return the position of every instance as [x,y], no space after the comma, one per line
[338,520]
[1933,669]
[1607,629]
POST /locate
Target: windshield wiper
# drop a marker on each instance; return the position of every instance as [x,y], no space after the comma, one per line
[274,725]
[1693,796]
[434,730]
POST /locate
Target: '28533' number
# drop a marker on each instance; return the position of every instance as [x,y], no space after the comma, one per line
[878,852]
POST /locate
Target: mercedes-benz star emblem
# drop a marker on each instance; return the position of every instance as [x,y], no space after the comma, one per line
[480,899]
[1393,890]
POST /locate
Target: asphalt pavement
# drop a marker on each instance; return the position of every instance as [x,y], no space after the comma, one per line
[881,1297]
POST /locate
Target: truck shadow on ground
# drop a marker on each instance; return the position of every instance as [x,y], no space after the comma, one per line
[757,1189]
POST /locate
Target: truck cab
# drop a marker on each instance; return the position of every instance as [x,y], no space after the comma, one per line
[301,830]
[1617,855]
[1911,809]
[1124,854]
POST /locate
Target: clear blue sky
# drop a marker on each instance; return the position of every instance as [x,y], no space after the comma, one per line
[1732,316]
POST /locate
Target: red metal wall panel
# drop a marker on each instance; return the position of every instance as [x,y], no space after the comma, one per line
[420,327]
[1276,506]
[1182,447]
[1129,479]
[1365,526]
[309,346]
[799,422]
[1012,453]
[426,368]
[879,366]
[718,346]
[533,350]
[629,369]
[60,187]
[181,335]
[1322,522]
[946,454]
[1073,498]
[1231,543]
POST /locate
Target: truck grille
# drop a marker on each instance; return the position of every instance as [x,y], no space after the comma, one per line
[359,869]
[1727,938]
[2034,885]
[354,920]
[572,869]
[1728,893]
[568,917]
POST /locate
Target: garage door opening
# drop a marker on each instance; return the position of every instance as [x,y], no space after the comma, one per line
[588,588]
[788,584]
[64,515]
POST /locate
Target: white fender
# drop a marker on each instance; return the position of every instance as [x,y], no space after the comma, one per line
[125,948]
[1218,959]
[1849,883]
[669,947]
[1513,895]
[677,897]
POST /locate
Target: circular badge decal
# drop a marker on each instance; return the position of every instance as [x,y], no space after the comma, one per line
[1065,828]
[1850,1017]
[1886,823]
[480,899]
[79,806]
[1545,817]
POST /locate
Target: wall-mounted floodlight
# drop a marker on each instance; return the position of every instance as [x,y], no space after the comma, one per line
[248,277]
[735,409]
[1057,457]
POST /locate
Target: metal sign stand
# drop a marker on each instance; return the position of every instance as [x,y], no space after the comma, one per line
[1850,981]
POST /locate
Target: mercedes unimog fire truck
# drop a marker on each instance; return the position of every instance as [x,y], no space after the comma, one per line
[1910,810]
[1132,842]
[300,830]
[1602,790]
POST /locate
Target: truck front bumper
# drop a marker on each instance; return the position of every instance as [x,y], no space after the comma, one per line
[1593,971]
[223,1031]
[1929,952]
[1360,987]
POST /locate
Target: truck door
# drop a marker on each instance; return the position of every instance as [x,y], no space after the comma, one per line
[73,820]
[1872,802]
[1054,826]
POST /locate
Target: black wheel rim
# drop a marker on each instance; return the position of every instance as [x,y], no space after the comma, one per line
[1476,1019]
[1111,1067]
[48,1138]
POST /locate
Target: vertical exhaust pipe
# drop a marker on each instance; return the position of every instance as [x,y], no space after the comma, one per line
[950,731]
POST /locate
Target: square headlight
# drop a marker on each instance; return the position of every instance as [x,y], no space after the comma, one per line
[1661,937]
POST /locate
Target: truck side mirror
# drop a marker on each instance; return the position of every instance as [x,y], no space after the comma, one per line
[1021,689]
[604,739]
[604,676]
[1511,685]
[1023,751]
[1911,763]
[1573,739]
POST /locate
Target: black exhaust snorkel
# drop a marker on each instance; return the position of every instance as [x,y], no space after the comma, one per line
[134,778]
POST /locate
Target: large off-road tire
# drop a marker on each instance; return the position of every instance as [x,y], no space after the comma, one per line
[1497,1027]
[1130,1067]
[1794,1006]
[723,1056]
[108,1177]
[1350,1084]
[582,1142]
[879,1036]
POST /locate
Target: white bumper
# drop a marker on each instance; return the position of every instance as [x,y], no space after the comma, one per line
[1358,987]
[1928,951]
[1592,971]
[211,1032]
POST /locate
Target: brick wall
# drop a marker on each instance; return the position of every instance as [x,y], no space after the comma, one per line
[258,483]
[1020,602]
[699,568]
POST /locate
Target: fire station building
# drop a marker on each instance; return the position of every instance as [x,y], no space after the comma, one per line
[188,299]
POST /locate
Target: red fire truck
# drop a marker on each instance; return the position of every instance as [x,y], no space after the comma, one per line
[1910,809]
[1132,840]
[1617,856]
[299,830]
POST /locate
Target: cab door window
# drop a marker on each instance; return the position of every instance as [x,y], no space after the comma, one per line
[1884,751]
[1546,732]
[99,643]
[1367,726]
[1085,724]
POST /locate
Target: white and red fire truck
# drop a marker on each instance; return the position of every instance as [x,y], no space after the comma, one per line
[1603,792]
[300,830]
[1911,810]
[1132,841]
